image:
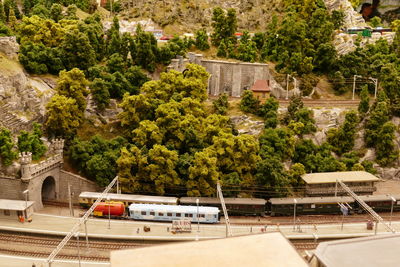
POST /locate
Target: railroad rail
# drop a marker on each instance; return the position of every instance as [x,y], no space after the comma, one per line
[323,102]
[39,246]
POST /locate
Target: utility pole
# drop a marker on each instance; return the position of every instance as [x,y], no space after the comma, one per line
[375,81]
[71,210]
[287,85]
[294,214]
[227,223]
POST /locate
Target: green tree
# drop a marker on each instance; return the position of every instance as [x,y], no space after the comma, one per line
[12,19]
[77,51]
[56,12]
[71,12]
[224,25]
[269,111]
[161,168]
[72,84]
[221,104]
[31,142]
[202,40]
[363,106]
[7,153]
[147,134]
[203,175]
[3,17]
[100,93]
[386,151]
[40,11]
[249,103]
[378,117]
[278,143]
[342,139]
[63,116]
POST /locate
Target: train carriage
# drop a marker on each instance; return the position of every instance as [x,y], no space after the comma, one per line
[167,213]
[380,203]
[86,199]
[234,206]
[309,205]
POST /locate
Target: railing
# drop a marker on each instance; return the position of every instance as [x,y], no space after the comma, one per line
[46,165]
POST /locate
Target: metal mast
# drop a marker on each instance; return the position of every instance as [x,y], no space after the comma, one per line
[227,223]
[82,220]
[366,207]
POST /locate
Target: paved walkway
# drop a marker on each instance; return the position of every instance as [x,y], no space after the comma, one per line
[125,229]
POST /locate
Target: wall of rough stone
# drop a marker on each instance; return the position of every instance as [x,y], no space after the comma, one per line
[78,185]
[227,77]
[11,188]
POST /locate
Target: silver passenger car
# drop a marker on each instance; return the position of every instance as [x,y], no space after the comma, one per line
[169,213]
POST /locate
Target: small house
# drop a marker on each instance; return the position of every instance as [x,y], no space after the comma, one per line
[261,90]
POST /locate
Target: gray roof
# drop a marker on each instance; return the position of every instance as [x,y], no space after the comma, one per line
[309,200]
[8,204]
[214,201]
[380,197]
[331,177]
[381,250]
[268,249]
[133,198]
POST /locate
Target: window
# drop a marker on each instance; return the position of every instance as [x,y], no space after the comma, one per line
[188,215]
[202,215]
[178,215]
[169,214]
[160,214]
[144,213]
[152,213]
[6,212]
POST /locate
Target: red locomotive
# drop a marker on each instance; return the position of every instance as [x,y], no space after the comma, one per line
[114,208]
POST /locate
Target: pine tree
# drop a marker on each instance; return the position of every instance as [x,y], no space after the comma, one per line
[221,49]
[2,13]
[363,107]
[12,19]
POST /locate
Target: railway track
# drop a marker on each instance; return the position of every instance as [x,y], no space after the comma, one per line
[324,102]
[41,246]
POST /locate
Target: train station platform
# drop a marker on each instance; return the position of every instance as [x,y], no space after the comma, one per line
[134,230]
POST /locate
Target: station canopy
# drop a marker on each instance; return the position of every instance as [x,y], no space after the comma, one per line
[331,177]
[19,205]
[268,249]
[382,250]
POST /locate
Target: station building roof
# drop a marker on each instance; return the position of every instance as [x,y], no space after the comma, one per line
[132,198]
[20,205]
[381,250]
[268,249]
[331,177]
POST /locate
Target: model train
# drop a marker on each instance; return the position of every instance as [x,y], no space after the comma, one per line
[243,206]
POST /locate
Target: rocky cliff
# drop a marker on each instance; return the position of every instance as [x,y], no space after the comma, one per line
[22,97]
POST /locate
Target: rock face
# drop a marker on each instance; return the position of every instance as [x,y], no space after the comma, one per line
[245,125]
[9,47]
[22,98]
[344,42]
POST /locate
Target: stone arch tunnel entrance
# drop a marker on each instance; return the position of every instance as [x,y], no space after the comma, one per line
[49,189]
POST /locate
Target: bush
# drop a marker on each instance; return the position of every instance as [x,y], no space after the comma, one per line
[221,105]
[249,103]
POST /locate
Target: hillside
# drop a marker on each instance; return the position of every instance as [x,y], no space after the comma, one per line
[190,15]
